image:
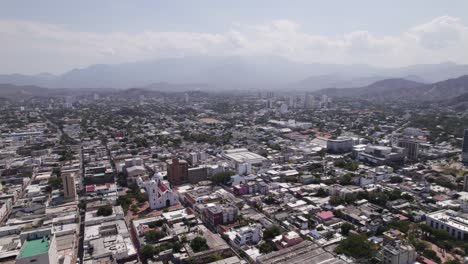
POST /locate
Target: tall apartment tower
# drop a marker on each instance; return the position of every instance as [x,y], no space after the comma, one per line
[177,171]
[411,147]
[464,155]
[465,184]
[69,188]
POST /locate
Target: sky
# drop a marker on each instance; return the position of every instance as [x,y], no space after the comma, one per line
[58,35]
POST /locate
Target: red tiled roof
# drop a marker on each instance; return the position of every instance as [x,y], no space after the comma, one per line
[325,215]
[401,217]
[162,187]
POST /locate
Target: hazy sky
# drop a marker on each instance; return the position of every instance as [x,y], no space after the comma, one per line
[58,35]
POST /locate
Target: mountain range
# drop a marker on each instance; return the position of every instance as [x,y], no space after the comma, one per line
[454,90]
[451,91]
[234,73]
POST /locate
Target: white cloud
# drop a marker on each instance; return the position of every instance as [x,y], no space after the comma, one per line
[36,47]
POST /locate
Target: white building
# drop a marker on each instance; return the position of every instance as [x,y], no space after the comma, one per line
[246,235]
[159,194]
[242,155]
[244,169]
[396,253]
[452,222]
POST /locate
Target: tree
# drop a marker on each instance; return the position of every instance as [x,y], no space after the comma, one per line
[121,180]
[198,244]
[213,258]
[431,254]
[345,228]
[153,236]
[396,179]
[346,179]
[321,193]
[356,246]
[223,177]
[452,261]
[55,182]
[147,252]
[134,208]
[125,201]
[271,232]
[265,248]
[105,210]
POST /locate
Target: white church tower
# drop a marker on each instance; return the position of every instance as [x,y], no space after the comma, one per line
[159,194]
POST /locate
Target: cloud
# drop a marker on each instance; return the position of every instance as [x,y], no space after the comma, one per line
[37,47]
[440,33]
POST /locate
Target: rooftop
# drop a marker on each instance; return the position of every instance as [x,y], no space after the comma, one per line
[34,247]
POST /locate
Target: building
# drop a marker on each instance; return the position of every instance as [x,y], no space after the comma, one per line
[396,253]
[381,155]
[177,171]
[242,155]
[411,148]
[69,187]
[197,174]
[465,148]
[456,224]
[247,235]
[287,239]
[39,250]
[338,145]
[219,214]
[159,194]
[465,184]
[304,252]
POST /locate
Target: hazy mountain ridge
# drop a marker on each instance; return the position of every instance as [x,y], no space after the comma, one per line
[397,89]
[235,72]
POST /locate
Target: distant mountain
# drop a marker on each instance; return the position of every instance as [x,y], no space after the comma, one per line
[445,90]
[14,92]
[314,83]
[396,89]
[388,88]
[25,92]
[235,72]
[183,87]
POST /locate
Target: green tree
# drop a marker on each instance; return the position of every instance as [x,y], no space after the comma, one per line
[134,208]
[265,248]
[153,236]
[213,258]
[198,244]
[55,182]
[147,252]
[356,246]
[271,232]
[223,177]
[346,179]
[431,254]
[321,193]
[105,210]
[345,228]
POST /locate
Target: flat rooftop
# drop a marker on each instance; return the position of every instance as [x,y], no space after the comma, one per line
[34,247]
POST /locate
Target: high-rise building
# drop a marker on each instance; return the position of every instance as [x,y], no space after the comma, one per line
[465,184]
[177,171]
[411,147]
[69,188]
[464,154]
